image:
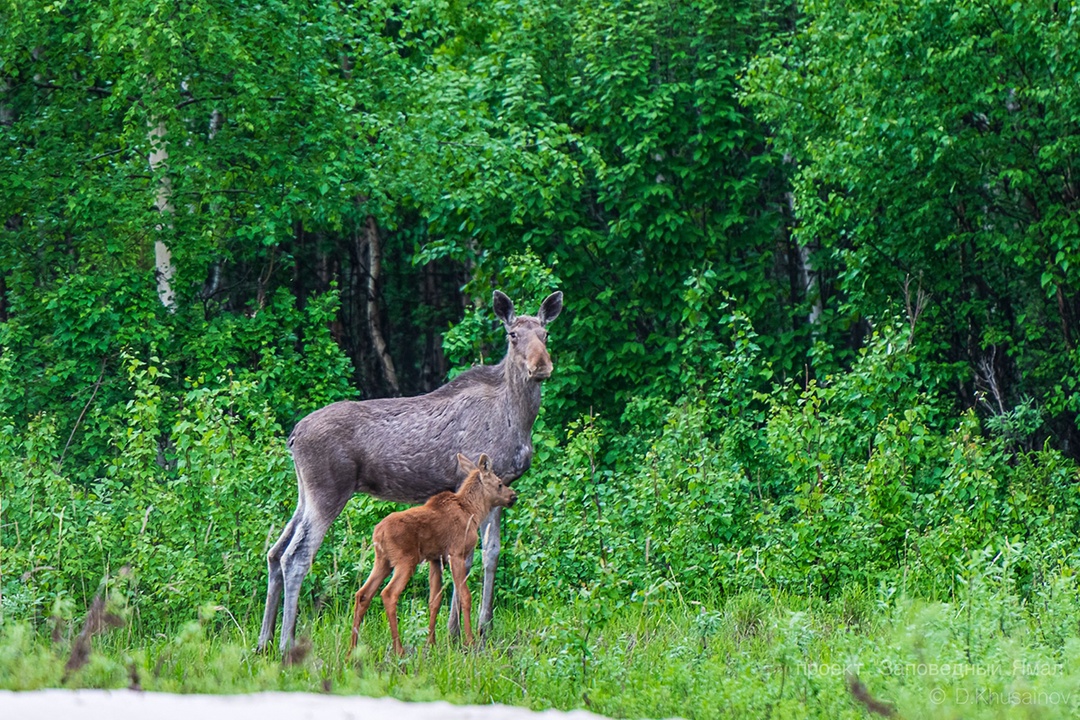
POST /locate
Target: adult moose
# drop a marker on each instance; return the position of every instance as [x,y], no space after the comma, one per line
[405,449]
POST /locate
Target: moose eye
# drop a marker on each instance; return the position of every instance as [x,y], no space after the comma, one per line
[513,336]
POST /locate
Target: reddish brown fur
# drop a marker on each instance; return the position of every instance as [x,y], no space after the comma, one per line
[444,529]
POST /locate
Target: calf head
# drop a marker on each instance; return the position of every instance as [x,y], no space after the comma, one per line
[496,493]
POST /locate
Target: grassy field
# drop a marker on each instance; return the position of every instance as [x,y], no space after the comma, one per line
[985,656]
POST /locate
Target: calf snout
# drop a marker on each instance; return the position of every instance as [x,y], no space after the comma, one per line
[506,497]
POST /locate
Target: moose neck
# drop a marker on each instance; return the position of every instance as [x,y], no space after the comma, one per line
[521,396]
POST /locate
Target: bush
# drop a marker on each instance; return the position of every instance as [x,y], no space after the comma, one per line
[858,482]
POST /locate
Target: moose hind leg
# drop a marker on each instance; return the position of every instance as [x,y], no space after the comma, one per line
[295,563]
[275,581]
[324,495]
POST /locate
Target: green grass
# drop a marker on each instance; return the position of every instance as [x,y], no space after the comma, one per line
[988,656]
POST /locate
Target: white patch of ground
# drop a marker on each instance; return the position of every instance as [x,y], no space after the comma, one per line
[135,705]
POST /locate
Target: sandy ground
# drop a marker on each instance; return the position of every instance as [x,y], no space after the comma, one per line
[129,705]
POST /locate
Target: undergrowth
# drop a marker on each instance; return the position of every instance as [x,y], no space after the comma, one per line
[984,655]
[707,553]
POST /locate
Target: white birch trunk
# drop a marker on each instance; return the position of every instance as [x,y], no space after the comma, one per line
[807,276]
[163,264]
[809,283]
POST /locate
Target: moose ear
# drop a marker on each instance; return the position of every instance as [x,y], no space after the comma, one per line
[465,464]
[484,463]
[504,308]
[550,308]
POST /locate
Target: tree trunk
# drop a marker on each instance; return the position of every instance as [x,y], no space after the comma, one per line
[808,279]
[434,365]
[163,263]
[1063,313]
[3,299]
[374,261]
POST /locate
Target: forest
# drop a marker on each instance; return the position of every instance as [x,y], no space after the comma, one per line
[815,410]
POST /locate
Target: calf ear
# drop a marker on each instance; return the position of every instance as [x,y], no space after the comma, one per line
[504,308]
[484,463]
[550,308]
[465,464]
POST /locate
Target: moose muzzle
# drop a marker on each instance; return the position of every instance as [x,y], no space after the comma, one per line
[539,363]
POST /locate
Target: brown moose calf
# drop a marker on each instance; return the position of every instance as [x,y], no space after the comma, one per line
[442,529]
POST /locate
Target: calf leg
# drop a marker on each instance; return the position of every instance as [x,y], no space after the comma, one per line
[390,596]
[453,625]
[461,590]
[491,543]
[365,595]
[434,597]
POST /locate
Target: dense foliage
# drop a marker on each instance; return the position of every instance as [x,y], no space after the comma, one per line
[936,147]
[827,349]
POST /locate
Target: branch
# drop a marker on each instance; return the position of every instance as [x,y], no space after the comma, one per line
[192,101]
[97,386]
[103,155]
[224,191]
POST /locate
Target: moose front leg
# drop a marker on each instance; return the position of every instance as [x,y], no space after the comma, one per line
[491,543]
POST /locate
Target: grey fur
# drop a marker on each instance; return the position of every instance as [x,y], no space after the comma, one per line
[405,449]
